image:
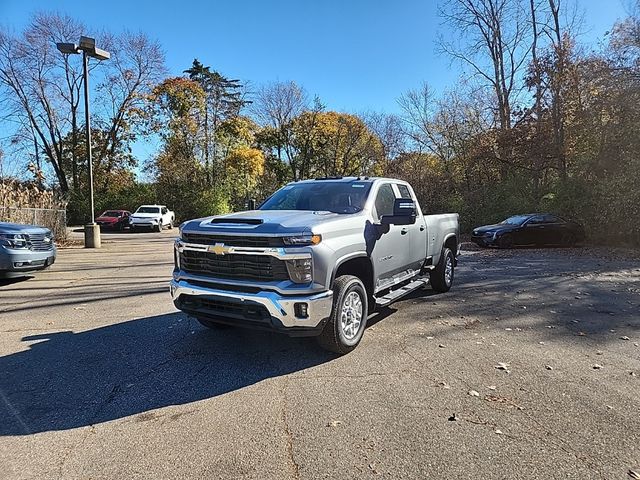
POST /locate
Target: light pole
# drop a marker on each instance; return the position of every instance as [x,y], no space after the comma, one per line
[88,48]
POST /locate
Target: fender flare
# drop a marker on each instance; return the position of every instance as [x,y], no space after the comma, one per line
[346,258]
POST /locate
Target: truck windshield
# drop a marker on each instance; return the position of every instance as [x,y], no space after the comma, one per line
[148,210]
[323,195]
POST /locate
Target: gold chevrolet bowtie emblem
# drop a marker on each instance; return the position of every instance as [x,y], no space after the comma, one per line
[218,249]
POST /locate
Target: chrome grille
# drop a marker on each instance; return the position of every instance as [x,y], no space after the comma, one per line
[235,240]
[262,268]
[37,242]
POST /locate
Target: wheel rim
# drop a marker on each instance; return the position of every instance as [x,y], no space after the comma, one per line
[448,270]
[351,317]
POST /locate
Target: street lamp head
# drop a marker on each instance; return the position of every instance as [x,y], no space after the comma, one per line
[100,54]
[67,48]
[87,43]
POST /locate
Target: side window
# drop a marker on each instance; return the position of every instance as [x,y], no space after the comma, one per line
[404,191]
[385,200]
[551,219]
[164,210]
[536,220]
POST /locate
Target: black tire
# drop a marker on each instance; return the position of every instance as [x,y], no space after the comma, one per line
[335,336]
[159,227]
[441,277]
[205,322]
[569,240]
[506,241]
[170,224]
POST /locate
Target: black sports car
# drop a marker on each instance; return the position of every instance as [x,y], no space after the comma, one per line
[529,229]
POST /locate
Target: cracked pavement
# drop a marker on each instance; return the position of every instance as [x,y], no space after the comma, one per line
[101,378]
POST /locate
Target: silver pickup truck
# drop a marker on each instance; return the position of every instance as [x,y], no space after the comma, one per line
[314,260]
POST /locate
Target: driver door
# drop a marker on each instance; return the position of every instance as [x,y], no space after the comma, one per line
[391,250]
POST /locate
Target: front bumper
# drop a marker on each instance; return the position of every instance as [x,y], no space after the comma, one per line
[487,240]
[17,261]
[261,310]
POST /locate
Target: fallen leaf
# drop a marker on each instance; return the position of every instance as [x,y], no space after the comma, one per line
[444,385]
[429,338]
[597,366]
[633,474]
[508,329]
[548,367]
[491,387]
[599,352]
[542,343]
[334,423]
[499,432]
[502,366]
[453,418]
[441,346]
[609,407]
[473,393]
[624,337]
[582,334]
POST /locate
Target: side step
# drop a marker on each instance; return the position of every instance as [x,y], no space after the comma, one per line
[394,295]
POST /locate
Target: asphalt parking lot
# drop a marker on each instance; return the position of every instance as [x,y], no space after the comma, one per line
[528,368]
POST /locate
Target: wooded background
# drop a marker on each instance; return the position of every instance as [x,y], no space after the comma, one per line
[540,121]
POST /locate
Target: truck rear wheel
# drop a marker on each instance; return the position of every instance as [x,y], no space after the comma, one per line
[441,277]
[348,319]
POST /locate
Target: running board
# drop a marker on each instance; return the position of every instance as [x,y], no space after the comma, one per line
[394,295]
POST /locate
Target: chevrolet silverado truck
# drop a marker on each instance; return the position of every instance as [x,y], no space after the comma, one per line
[314,260]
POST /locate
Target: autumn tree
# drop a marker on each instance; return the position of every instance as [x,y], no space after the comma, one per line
[42,90]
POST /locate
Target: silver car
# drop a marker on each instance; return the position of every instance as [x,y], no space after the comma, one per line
[25,249]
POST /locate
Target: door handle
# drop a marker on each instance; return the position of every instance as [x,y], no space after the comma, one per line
[404,231]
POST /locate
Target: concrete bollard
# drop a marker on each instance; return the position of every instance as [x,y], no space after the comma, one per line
[92,236]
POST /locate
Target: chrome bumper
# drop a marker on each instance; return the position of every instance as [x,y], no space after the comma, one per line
[281,308]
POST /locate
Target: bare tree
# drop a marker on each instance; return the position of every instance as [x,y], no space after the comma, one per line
[275,106]
[42,89]
[490,37]
[388,129]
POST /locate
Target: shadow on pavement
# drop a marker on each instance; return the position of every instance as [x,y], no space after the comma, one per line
[66,380]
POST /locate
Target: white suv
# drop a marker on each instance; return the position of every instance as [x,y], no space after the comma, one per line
[155,217]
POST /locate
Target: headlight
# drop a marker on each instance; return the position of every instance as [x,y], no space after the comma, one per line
[302,240]
[13,240]
[300,270]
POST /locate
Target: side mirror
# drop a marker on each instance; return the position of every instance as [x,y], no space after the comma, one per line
[404,213]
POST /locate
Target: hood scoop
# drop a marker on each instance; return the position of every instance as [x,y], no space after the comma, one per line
[238,221]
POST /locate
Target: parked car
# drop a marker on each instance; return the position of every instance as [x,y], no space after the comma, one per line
[155,217]
[314,259]
[25,249]
[114,220]
[529,229]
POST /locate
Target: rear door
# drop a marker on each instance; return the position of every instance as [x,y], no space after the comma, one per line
[390,252]
[417,232]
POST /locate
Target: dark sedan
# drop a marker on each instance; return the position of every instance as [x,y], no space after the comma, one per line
[529,229]
[114,220]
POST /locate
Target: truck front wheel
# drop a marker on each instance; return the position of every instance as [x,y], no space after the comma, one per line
[348,319]
[441,277]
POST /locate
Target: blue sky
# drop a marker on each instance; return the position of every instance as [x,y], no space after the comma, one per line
[356,55]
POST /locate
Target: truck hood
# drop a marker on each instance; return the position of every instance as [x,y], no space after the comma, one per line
[265,222]
[24,229]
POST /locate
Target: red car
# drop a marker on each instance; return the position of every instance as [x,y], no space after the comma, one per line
[114,220]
